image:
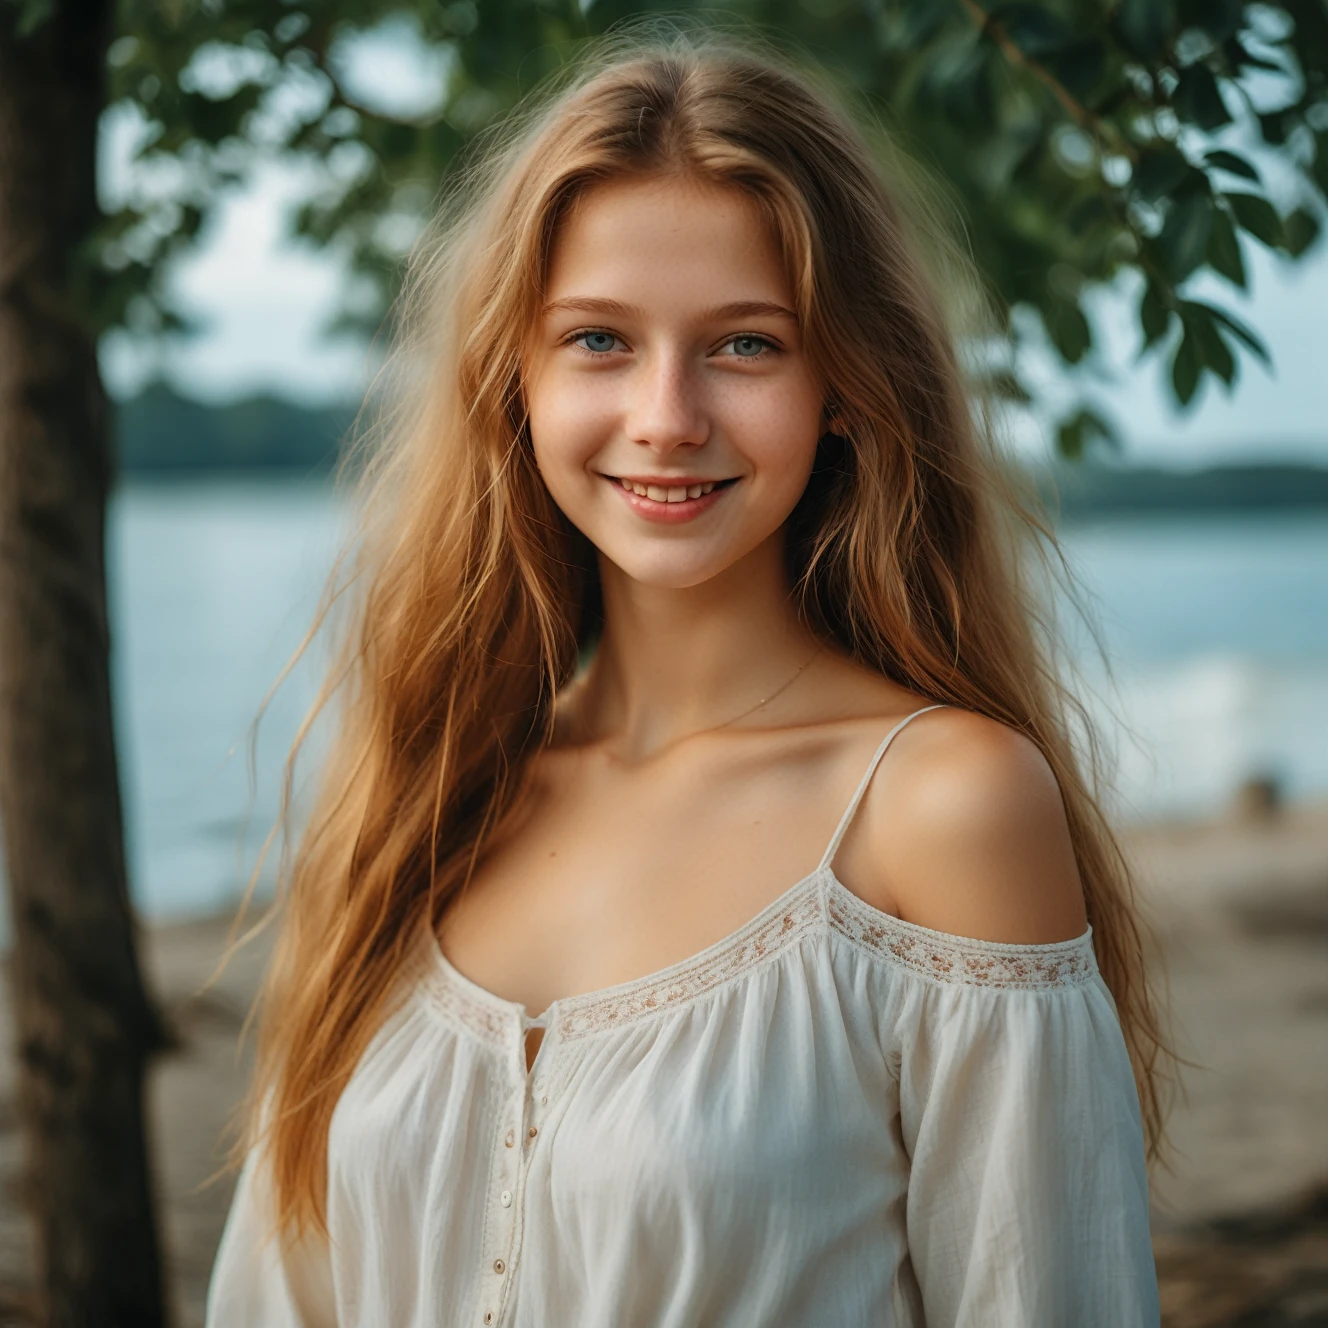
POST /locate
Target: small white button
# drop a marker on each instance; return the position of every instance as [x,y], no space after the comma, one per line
[544,1101]
[510,1138]
[505,1198]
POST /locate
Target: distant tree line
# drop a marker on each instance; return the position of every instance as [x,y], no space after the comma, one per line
[1093,490]
[161,432]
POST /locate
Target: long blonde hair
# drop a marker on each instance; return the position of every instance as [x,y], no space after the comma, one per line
[470,596]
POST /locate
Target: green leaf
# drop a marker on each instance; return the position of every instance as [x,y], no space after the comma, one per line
[1274,126]
[1183,241]
[1223,253]
[1198,99]
[1085,426]
[1067,327]
[1154,315]
[1145,25]
[1300,230]
[1256,214]
[1218,355]
[1070,438]
[1320,168]
[1080,65]
[1238,329]
[1220,19]
[1159,172]
[1215,353]
[1231,162]
[1185,368]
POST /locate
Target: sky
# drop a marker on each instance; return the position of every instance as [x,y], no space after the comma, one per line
[266,300]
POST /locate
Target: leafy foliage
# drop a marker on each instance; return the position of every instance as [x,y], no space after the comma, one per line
[1081,139]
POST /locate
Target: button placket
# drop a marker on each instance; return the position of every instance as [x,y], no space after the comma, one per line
[505,1179]
[523,1127]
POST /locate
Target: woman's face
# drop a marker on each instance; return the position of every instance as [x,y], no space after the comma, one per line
[673,412]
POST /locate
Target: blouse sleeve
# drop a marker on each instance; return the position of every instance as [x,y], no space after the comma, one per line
[1028,1194]
[257,1280]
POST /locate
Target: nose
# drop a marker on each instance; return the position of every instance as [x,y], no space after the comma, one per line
[665,411]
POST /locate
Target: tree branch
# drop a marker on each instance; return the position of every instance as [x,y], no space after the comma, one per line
[1076,110]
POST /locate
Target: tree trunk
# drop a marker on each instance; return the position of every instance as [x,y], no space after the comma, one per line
[85,1026]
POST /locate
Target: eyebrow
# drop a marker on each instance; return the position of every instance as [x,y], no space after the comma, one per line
[588,304]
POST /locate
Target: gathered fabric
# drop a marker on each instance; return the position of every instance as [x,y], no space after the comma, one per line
[829,1116]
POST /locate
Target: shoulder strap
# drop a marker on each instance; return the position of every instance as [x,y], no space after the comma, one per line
[847,819]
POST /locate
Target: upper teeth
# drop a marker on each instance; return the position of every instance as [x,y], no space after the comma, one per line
[675,494]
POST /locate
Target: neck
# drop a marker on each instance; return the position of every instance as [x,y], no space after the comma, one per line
[674,662]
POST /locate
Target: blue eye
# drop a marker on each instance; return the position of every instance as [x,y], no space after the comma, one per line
[599,343]
[749,348]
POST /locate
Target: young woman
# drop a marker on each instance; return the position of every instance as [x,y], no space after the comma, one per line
[693,928]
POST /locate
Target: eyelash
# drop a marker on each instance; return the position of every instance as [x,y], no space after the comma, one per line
[768,347]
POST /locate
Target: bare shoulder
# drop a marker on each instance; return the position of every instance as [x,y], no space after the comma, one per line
[963,830]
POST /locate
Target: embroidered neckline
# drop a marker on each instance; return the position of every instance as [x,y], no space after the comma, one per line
[818,902]
[959,960]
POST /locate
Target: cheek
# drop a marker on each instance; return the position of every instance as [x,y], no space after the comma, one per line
[567,428]
[779,434]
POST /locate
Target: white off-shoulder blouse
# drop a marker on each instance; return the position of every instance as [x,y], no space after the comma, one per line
[830,1117]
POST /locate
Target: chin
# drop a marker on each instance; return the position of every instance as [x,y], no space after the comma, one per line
[671,572]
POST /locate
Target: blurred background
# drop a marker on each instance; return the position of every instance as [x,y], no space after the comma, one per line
[1191,484]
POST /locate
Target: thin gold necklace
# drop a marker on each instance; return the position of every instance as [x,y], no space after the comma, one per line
[783,687]
[578,722]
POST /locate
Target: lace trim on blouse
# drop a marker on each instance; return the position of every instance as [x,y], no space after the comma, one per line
[461,1001]
[960,959]
[819,902]
[767,934]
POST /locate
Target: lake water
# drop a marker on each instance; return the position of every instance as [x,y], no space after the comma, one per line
[1216,628]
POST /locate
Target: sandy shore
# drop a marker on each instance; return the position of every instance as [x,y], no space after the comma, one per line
[1241,1213]
[1240,911]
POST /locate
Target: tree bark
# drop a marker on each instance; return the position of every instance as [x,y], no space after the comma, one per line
[85,1026]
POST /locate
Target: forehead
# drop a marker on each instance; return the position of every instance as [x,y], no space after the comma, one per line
[665,242]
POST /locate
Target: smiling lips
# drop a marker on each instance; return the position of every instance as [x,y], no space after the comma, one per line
[672,493]
[669,502]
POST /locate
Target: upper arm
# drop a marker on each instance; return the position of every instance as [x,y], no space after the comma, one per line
[260,1281]
[963,830]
